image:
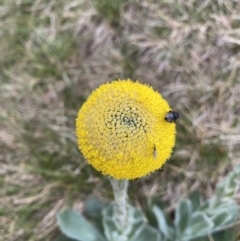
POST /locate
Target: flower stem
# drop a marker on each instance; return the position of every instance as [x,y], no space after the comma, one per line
[120,188]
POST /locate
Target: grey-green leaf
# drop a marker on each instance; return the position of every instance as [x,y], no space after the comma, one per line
[230,184]
[183,213]
[93,207]
[146,233]
[163,226]
[111,229]
[199,224]
[62,237]
[75,226]
[221,219]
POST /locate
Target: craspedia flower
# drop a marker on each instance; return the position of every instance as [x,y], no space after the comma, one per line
[122,132]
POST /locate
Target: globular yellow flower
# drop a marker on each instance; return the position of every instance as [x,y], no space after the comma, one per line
[122,132]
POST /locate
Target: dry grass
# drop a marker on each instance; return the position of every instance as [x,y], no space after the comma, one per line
[53,53]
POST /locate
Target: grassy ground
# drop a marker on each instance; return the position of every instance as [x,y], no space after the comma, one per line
[53,53]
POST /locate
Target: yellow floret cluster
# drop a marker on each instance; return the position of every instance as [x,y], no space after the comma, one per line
[122,132]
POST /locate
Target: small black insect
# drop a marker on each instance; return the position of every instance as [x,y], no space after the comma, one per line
[154,152]
[172,116]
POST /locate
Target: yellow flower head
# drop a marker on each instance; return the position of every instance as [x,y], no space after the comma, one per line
[122,132]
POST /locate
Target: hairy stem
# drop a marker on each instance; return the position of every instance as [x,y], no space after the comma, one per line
[120,188]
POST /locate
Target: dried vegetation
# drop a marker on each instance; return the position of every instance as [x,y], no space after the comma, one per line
[53,53]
